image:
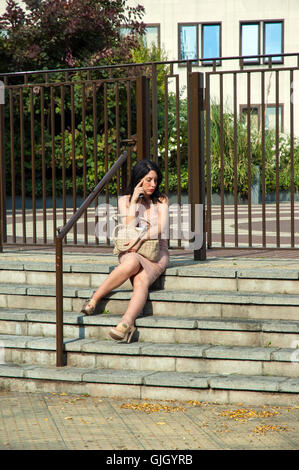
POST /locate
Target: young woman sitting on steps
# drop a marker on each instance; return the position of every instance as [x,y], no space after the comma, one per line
[144,200]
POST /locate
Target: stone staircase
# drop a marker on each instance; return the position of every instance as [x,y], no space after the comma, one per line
[220,330]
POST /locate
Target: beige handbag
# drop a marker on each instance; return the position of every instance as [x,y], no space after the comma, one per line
[123,233]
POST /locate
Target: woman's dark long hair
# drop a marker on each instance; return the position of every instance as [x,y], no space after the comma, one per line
[142,168]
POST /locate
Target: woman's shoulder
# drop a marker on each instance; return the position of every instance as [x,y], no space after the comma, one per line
[124,198]
[163,199]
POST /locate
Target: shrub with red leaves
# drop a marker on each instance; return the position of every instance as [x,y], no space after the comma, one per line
[51,34]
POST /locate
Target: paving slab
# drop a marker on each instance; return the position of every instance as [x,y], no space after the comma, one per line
[274,273]
[44,266]
[199,271]
[63,421]
[10,264]
[12,289]
[55,373]
[287,354]
[183,379]
[237,324]
[290,385]
[104,347]
[14,315]
[240,353]
[15,341]
[167,322]
[132,377]
[50,291]
[48,343]
[173,349]
[237,382]
[11,370]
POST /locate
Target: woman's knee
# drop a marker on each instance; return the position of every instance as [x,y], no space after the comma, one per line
[131,266]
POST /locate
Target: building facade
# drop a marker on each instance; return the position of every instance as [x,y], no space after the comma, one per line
[229,28]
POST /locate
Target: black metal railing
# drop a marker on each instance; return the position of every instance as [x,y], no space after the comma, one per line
[62,233]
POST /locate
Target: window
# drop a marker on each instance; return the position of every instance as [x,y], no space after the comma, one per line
[270,117]
[210,42]
[256,118]
[151,35]
[3,34]
[272,40]
[254,115]
[209,34]
[250,42]
[188,41]
[124,31]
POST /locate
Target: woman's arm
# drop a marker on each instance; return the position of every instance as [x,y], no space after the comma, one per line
[163,220]
[128,208]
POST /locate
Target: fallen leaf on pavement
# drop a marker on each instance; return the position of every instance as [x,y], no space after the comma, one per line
[268,427]
[152,407]
[244,414]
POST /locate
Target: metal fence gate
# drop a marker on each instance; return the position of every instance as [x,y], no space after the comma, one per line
[252,156]
[61,131]
[226,139]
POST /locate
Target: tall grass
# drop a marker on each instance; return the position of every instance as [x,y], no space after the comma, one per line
[251,144]
[245,144]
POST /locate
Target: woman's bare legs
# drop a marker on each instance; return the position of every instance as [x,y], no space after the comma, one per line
[138,299]
[117,277]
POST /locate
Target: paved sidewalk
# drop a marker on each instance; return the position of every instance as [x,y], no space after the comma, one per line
[51,421]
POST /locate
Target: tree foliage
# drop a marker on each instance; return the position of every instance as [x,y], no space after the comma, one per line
[52,34]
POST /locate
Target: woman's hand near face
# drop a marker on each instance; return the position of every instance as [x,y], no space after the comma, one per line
[137,192]
[131,209]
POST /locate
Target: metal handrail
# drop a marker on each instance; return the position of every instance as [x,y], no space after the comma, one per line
[62,232]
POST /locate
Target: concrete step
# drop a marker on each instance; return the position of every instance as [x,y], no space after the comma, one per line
[179,275]
[151,384]
[170,329]
[192,303]
[221,330]
[179,357]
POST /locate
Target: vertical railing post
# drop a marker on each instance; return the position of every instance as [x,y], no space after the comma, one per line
[143,117]
[59,304]
[189,128]
[154,113]
[2,175]
[196,121]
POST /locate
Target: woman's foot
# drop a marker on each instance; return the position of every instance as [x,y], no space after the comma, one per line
[122,332]
[89,307]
